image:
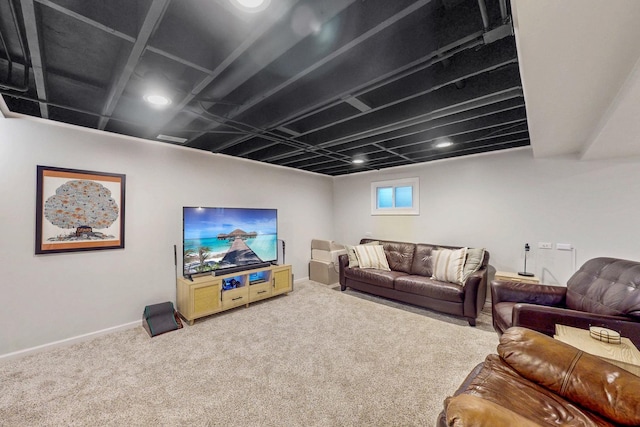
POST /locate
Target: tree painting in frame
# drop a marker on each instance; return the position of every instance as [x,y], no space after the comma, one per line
[78,210]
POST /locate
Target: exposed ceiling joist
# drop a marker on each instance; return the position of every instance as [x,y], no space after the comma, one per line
[302,84]
[37,66]
[326,59]
[123,73]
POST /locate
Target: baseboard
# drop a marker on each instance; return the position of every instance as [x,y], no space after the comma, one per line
[79,338]
[67,342]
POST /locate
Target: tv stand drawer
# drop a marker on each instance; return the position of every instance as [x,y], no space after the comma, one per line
[259,291]
[235,297]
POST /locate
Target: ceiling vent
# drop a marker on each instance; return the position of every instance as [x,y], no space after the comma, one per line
[172,138]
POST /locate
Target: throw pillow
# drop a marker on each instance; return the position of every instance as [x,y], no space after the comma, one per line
[370,256]
[448,265]
[473,262]
[351,251]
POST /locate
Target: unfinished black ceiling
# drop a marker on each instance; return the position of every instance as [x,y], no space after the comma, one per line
[310,84]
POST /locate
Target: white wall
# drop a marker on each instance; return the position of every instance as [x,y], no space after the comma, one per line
[53,297]
[502,201]
[498,201]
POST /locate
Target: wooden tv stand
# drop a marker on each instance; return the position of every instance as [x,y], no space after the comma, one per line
[205,295]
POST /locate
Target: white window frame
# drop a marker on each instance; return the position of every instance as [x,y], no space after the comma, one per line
[414,183]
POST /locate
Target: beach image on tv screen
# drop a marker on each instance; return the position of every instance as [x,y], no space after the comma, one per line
[218,238]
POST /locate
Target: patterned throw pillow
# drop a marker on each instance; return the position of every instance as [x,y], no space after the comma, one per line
[448,265]
[372,256]
[351,251]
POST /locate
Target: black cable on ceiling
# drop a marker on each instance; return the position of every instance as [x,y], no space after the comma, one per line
[25,73]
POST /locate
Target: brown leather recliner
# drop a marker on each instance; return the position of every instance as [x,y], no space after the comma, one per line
[535,380]
[603,292]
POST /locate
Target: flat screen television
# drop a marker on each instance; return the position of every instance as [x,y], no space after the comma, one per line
[228,238]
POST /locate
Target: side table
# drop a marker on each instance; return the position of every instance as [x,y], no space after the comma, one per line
[515,277]
[624,355]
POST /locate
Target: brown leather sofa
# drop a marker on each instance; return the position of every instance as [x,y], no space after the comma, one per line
[603,292]
[410,280]
[535,380]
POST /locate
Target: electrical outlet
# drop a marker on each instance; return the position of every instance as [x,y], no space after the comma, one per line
[545,245]
[564,246]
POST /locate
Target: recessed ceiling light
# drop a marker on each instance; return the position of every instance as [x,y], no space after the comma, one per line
[357,161]
[250,5]
[444,144]
[157,100]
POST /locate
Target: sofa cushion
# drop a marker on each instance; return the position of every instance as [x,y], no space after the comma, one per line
[448,265]
[381,278]
[421,264]
[606,286]
[399,255]
[582,378]
[372,256]
[425,286]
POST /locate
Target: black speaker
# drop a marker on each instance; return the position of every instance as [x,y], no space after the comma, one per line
[160,318]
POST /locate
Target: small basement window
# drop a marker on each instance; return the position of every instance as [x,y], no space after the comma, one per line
[395,197]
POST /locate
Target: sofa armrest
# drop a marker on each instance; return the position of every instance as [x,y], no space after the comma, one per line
[544,319]
[507,291]
[442,422]
[475,294]
[471,410]
[579,377]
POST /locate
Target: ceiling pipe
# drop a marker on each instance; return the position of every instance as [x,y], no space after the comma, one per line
[131,59]
[25,72]
[244,74]
[427,61]
[469,42]
[36,59]
[503,10]
[270,136]
[345,48]
[117,119]
[448,111]
[400,125]
[483,12]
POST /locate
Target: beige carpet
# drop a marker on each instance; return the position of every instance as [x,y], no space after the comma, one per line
[316,357]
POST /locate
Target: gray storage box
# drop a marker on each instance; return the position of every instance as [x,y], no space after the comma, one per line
[323,266]
[323,272]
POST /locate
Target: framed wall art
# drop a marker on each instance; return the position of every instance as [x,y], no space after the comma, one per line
[78,210]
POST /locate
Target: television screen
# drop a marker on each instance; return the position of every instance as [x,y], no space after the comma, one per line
[219,238]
